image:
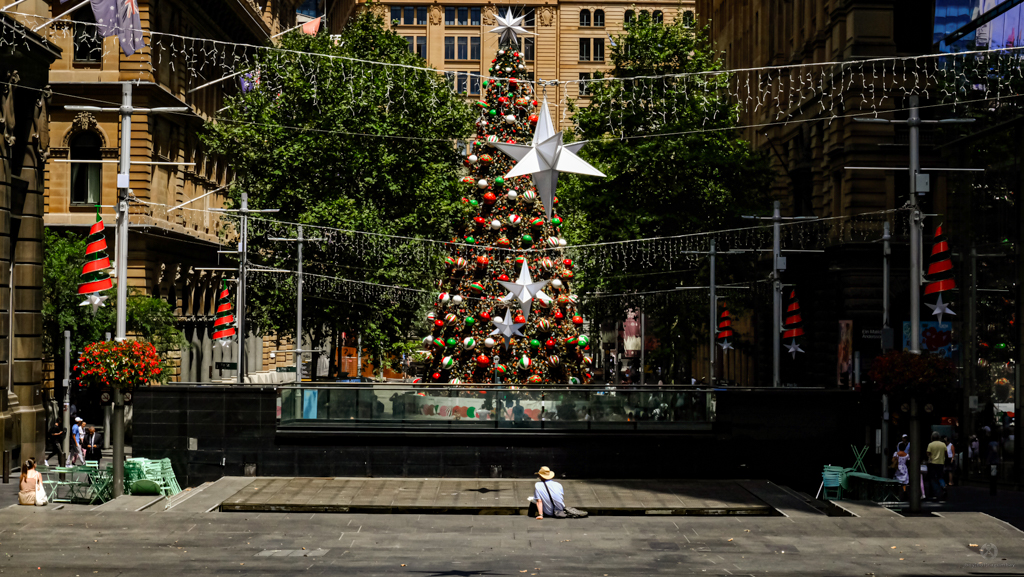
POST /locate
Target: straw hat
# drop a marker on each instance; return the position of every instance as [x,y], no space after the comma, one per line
[546,473]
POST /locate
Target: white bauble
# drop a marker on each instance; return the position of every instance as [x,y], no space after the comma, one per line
[495,224]
[511,195]
[562,242]
[488,342]
[482,183]
[472,158]
[428,340]
[510,118]
[508,69]
[458,300]
[522,67]
[501,52]
[554,282]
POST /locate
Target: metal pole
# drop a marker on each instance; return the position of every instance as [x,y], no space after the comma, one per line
[107,410]
[914,124]
[618,354]
[124,164]
[916,450]
[243,249]
[713,307]
[777,295]
[67,395]
[359,357]
[885,436]
[298,323]
[886,251]
[643,336]
[972,346]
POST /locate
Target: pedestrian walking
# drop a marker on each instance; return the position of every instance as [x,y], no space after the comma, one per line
[93,445]
[899,461]
[950,464]
[936,461]
[55,438]
[31,486]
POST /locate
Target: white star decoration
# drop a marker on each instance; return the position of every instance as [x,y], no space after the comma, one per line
[524,289]
[940,308]
[726,345]
[546,157]
[94,299]
[224,342]
[508,26]
[506,328]
[793,348]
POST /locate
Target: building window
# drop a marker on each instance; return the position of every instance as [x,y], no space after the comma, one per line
[688,19]
[658,16]
[630,15]
[465,16]
[598,17]
[474,83]
[584,48]
[465,82]
[528,48]
[307,8]
[88,42]
[584,17]
[396,14]
[449,16]
[474,16]
[85,177]
[584,77]
[460,82]
[462,48]
[411,42]
[409,15]
[598,49]
[528,76]
[421,47]
[421,15]
[530,19]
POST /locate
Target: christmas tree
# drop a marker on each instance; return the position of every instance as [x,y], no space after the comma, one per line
[224,323]
[505,311]
[95,278]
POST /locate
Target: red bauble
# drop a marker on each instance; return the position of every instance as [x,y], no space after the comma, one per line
[519,319]
[567,262]
[577,320]
[534,103]
[436,376]
[503,277]
[534,118]
[550,343]
[559,315]
[483,361]
[489,198]
[479,220]
[438,323]
[482,261]
[486,316]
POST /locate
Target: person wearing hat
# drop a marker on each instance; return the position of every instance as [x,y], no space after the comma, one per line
[76,452]
[548,495]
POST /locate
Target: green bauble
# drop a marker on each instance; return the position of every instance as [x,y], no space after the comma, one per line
[474,202]
[534,343]
[493,112]
[527,239]
[470,240]
[499,180]
[451,342]
[470,321]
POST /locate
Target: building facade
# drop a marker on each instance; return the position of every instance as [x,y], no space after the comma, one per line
[25,102]
[568,40]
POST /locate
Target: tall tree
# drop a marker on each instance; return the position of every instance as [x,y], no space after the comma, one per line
[675,165]
[335,141]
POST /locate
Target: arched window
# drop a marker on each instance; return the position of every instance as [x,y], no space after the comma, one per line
[85,177]
[584,17]
[630,15]
[688,19]
[598,17]
[646,13]
[658,16]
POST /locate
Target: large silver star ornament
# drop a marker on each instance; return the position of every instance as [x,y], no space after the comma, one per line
[508,26]
[793,348]
[546,157]
[940,308]
[506,328]
[524,289]
[94,299]
[726,345]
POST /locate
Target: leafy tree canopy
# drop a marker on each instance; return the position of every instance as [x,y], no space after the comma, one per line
[312,139]
[674,164]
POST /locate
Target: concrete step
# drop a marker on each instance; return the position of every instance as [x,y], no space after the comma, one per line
[185,494]
[780,499]
[130,503]
[868,509]
[209,496]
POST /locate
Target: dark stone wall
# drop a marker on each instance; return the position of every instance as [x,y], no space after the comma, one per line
[785,435]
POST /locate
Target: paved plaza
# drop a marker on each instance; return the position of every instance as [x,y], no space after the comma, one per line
[188,534]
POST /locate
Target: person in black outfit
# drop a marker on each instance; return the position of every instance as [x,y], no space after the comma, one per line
[93,445]
[55,438]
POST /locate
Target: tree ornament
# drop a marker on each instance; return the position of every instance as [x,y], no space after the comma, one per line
[476,287]
[95,278]
[535,379]
[550,343]
[537,222]
[431,316]
[559,316]
[457,299]
[529,196]
[485,316]
[511,195]
[483,361]
[554,361]
[524,363]
[467,180]
[438,323]
[451,318]
[510,119]
[533,119]
[482,183]
[495,224]
[527,240]
[556,220]
[489,342]
[940,275]
[482,261]
[725,329]
[544,325]
[436,377]
[577,320]
[479,220]
[534,344]
[507,328]
[514,219]
[499,180]
[503,242]
[583,341]
[470,321]
[468,343]
[452,342]
[556,283]
[439,342]
[521,319]
[501,370]
[472,158]
[486,158]
[793,324]
[447,363]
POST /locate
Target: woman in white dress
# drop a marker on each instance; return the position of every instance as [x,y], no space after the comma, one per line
[900,458]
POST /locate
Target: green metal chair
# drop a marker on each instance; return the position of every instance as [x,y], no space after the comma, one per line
[832,485]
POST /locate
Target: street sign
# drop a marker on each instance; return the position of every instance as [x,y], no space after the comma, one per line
[226,366]
[286,369]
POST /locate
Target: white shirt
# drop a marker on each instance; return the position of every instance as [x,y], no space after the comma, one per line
[541,494]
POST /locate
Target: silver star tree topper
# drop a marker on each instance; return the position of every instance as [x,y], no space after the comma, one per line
[793,348]
[93,299]
[506,328]
[508,26]
[546,157]
[940,308]
[524,289]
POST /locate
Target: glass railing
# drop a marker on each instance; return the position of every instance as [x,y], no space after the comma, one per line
[488,406]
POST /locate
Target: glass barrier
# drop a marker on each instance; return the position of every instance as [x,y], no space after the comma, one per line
[390,405]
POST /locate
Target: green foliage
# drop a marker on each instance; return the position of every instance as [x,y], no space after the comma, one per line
[149,318]
[304,141]
[699,176]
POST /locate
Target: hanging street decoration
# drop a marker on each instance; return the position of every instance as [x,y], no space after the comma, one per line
[725,329]
[498,286]
[940,275]
[95,278]
[508,27]
[546,157]
[507,328]
[224,322]
[793,325]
